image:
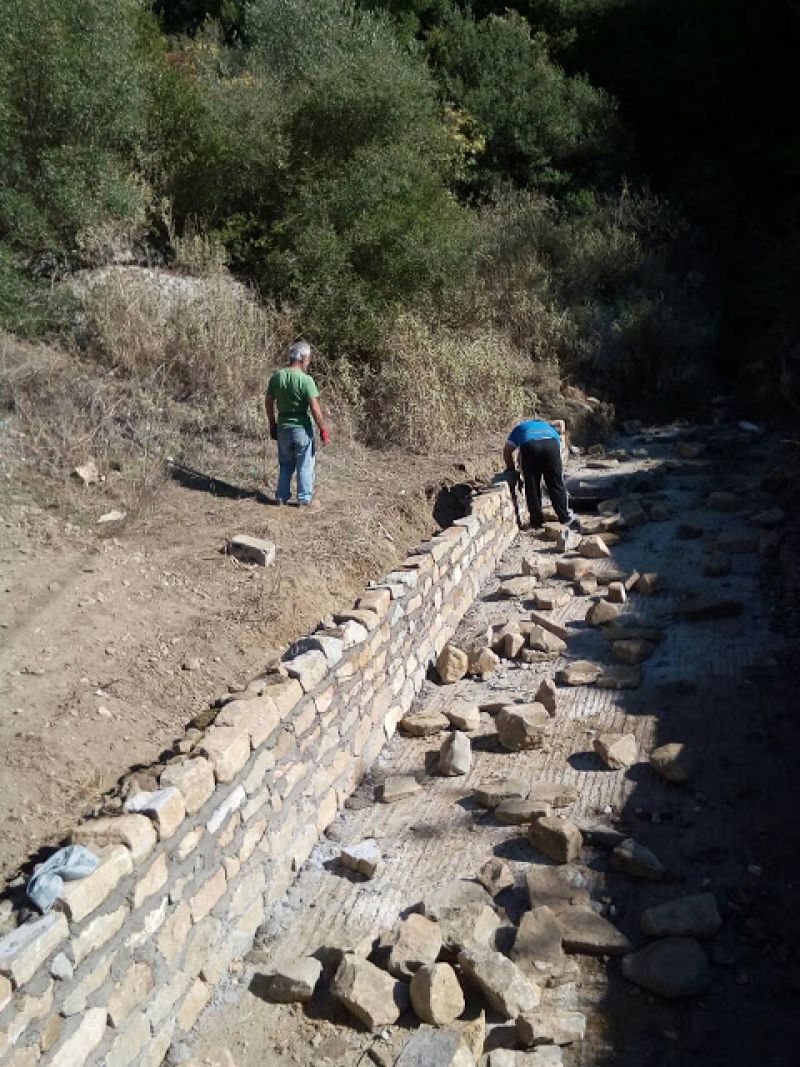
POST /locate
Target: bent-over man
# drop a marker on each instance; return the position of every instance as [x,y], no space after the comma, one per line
[291,403]
[539,447]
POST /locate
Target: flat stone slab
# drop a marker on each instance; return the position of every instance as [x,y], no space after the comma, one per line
[399,787]
[580,672]
[585,932]
[435,1048]
[491,793]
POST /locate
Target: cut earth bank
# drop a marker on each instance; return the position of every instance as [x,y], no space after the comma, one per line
[621,854]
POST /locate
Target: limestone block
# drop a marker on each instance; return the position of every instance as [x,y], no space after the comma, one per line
[165,807]
[195,780]
[252,550]
[78,1047]
[134,831]
[377,600]
[234,800]
[174,933]
[228,749]
[25,949]
[309,668]
[559,839]
[80,898]
[151,882]
[129,1043]
[129,993]
[258,715]
[97,933]
[212,890]
[285,694]
[193,1005]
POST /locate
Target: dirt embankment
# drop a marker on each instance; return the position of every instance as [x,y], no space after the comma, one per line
[114,636]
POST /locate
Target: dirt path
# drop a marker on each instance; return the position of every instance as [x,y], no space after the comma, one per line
[111,642]
[725,687]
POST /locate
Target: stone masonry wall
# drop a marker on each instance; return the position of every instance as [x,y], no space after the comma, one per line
[127,959]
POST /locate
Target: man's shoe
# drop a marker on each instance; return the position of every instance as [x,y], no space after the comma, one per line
[279,502]
[312,505]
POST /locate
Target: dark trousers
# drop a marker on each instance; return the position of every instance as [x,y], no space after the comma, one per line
[542,459]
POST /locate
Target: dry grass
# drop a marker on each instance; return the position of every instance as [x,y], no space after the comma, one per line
[436,390]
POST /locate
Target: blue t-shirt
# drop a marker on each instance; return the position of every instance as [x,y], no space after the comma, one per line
[532,430]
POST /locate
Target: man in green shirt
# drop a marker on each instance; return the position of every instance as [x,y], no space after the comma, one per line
[291,403]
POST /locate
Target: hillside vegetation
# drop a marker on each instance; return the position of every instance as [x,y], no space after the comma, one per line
[463,208]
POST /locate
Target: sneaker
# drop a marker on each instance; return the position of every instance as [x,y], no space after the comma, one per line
[312,505]
[279,502]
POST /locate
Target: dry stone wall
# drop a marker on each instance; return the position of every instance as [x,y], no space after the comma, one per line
[126,961]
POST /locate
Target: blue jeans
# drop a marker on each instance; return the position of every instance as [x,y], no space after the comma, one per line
[296,454]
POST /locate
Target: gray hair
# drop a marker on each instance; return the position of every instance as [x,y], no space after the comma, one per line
[299,351]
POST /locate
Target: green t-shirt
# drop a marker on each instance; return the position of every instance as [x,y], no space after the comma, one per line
[292,389]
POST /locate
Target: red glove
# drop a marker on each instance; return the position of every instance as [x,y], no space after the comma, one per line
[326,437]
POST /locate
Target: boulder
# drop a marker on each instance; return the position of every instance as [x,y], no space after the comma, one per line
[415,942]
[541,640]
[436,995]
[513,644]
[617,593]
[580,672]
[292,981]
[463,715]
[558,838]
[494,791]
[550,1027]
[671,762]
[439,902]
[424,723]
[601,612]
[553,627]
[518,587]
[648,584]
[368,993]
[540,566]
[495,876]
[468,926]
[521,726]
[552,886]
[632,650]
[551,599]
[586,933]
[483,662]
[435,1048]
[364,858]
[507,990]
[593,547]
[574,568]
[452,664]
[689,916]
[537,945]
[455,755]
[672,968]
[617,751]
[637,860]
[547,696]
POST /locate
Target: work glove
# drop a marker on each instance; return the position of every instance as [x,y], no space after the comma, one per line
[273,432]
[513,477]
[326,437]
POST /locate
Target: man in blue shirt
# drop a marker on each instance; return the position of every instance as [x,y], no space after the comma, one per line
[539,457]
